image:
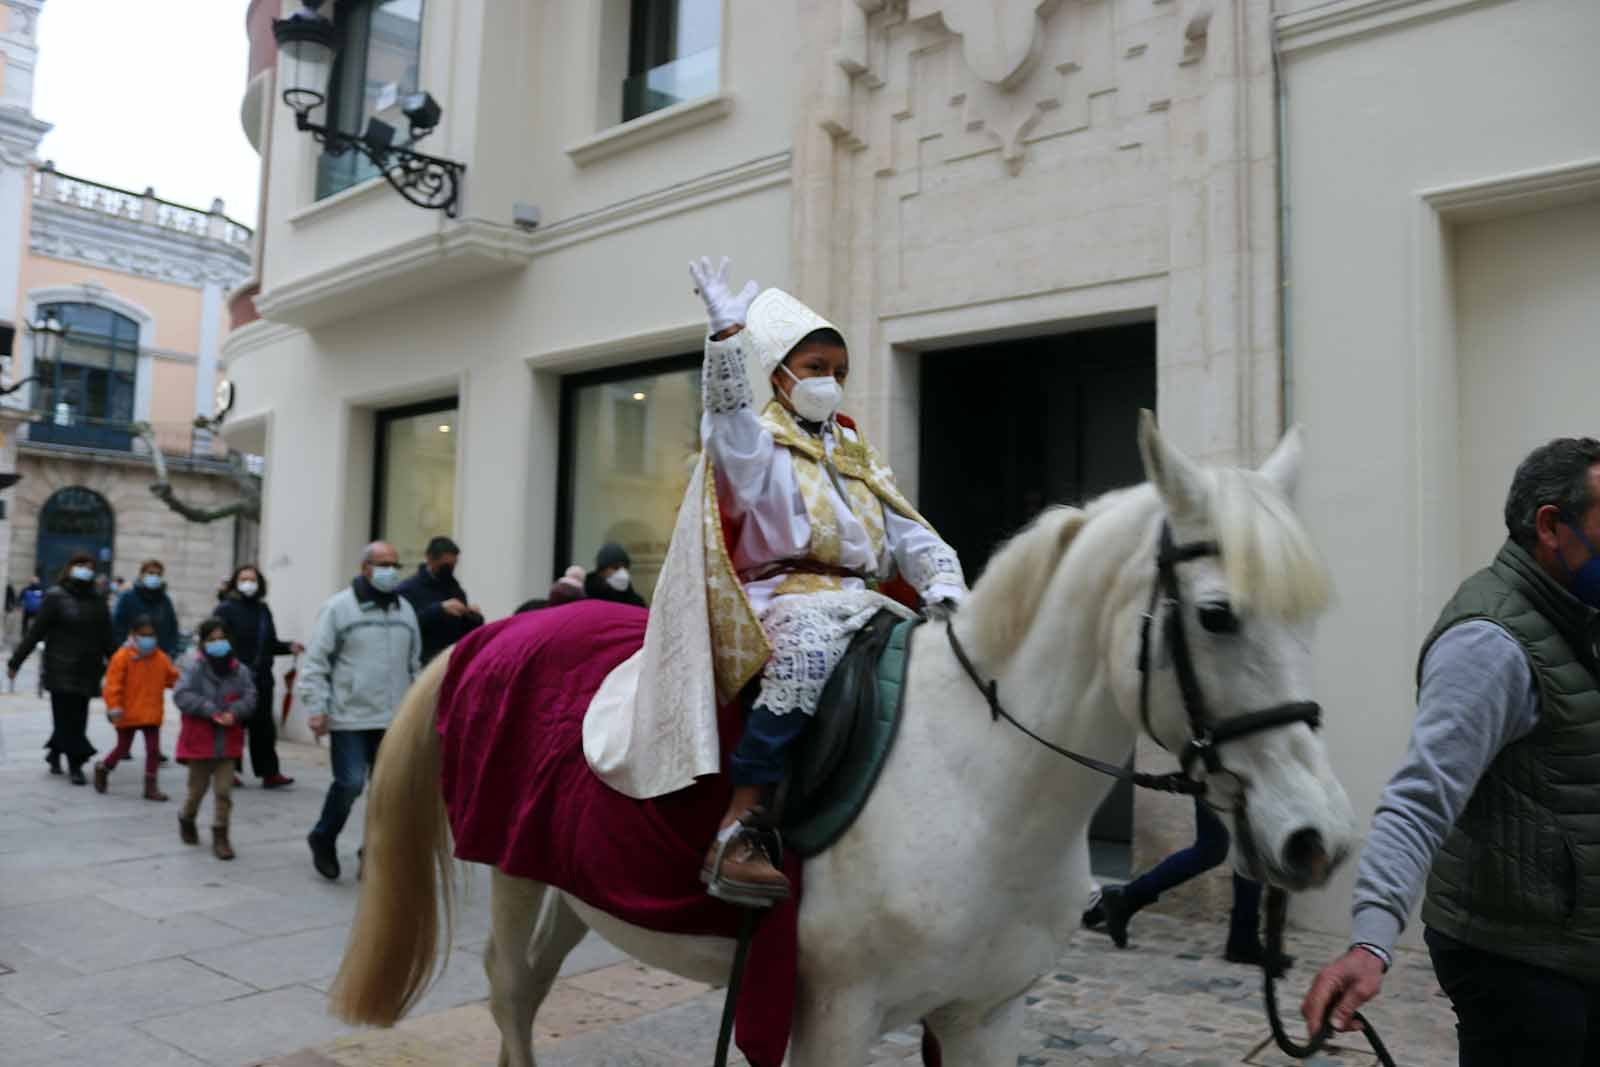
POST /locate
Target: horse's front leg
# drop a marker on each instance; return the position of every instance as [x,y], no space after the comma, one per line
[974,1038]
[834,1027]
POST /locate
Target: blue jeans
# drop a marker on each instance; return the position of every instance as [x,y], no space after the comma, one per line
[353,753]
[761,757]
[1210,849]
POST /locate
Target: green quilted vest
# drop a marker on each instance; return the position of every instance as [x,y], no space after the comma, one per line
[1519,874]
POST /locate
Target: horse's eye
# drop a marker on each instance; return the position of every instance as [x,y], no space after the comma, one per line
[1219,618]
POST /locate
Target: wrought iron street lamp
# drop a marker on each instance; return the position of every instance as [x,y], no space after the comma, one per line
[48,336]
[309,41]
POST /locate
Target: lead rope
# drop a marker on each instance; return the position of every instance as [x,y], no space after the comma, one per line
[730,1002]
[1277,917]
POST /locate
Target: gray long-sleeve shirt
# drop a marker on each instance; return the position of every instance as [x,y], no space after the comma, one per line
[1477,696]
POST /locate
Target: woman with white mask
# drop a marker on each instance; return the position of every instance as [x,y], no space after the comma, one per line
[812,521]
[75,626]
[612,578]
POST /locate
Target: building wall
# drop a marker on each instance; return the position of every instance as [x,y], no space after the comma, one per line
[1443,162]
[197,555]
[175,309]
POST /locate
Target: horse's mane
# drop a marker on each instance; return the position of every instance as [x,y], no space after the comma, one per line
[1268,561]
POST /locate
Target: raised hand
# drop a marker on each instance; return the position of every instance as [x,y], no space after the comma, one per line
[724,308]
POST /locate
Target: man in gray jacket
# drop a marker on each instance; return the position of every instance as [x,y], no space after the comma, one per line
[1497,805]
[365,653]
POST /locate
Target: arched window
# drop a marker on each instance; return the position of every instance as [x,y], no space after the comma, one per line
[87,394]
[73,520]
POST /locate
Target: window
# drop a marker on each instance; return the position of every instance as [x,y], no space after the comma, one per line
[627,436]
[380,53]
[673,48]
[87,394]
[414,492]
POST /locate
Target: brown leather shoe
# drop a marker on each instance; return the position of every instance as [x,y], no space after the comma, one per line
[745,875]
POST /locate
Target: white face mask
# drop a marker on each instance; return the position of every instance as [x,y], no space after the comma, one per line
[82,574]
[619,579]
[385,579]
[249,588]
[815,399]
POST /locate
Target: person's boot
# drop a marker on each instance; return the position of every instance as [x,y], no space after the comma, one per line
[76,776]
[738,870]
[1115,912]
[102,776]
[219,843]
[188,831]
[1252,953]
[324,856]
[151,791]
[54,759]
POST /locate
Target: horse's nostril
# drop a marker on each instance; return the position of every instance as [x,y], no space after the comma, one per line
[1306,855]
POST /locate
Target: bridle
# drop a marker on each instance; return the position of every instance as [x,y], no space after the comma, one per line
[1206,732]
[1206,735]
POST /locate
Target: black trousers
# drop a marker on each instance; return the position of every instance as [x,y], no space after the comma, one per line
[69,714]
[263,732]
[1513,1014]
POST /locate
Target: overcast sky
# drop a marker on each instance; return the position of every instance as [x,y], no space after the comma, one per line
[147,94]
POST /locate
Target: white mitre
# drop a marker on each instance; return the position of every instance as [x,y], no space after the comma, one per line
[776,322]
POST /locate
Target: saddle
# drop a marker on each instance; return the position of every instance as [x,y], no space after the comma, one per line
[836,763]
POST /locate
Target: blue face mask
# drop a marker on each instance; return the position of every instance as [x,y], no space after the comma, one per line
[152,581]
[1585,583]
[145,645]
[218,649]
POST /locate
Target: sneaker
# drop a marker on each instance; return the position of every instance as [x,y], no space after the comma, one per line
[276,781]
[324,856]
[102,776]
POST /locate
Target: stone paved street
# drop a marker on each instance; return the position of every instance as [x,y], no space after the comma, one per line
[116,939]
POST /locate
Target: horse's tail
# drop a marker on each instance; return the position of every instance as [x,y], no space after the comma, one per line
[392,953]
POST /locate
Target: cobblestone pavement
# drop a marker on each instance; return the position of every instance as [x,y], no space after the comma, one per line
[117,941]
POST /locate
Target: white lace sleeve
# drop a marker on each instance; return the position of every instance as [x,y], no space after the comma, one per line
[930,565]
[725,386]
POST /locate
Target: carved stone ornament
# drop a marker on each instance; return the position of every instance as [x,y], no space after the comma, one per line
[999,38]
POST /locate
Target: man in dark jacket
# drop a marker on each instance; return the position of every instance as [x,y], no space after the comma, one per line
[444,612]
[148,597]
[1494,817]
[611,579]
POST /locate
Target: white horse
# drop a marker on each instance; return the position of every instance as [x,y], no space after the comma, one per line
[969,867]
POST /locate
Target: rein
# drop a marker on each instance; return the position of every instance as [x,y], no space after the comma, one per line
[1206,733]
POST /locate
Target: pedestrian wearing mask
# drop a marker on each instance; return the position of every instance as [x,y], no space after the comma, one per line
[444,612]
[364,654]
[135,694]
[255,639]
[148,597]
[217,697]
[611,579]
[75,627]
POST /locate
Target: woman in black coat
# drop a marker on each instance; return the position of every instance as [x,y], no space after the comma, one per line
[75,626]
[254,635]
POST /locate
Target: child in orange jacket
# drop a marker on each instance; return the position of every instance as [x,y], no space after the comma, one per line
[135,695]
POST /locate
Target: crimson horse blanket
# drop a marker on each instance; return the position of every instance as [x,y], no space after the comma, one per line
[521,797]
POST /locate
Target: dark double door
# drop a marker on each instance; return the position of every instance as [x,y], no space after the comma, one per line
[1009,429]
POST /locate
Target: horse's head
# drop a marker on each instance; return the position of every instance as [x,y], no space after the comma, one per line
[1219,602]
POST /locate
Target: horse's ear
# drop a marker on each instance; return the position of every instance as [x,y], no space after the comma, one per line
[1180,482]
[1282,468]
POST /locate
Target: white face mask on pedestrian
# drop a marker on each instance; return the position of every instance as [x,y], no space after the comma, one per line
[619,579]
[815,399]
[385,579]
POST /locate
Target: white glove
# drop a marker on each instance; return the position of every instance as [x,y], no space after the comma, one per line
[724,307]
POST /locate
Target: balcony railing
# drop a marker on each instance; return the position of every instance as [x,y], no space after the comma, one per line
[51,186]
[177,440]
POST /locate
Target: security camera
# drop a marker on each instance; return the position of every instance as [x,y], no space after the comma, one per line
[526,216]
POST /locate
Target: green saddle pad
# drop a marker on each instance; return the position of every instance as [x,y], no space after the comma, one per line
[838,761]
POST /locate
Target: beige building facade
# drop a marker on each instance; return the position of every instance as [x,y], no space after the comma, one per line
[1030,219]
[140,285]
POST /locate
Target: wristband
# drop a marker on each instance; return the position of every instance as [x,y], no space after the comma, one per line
[1382,955]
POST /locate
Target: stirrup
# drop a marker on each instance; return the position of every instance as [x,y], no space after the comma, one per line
[745,894]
